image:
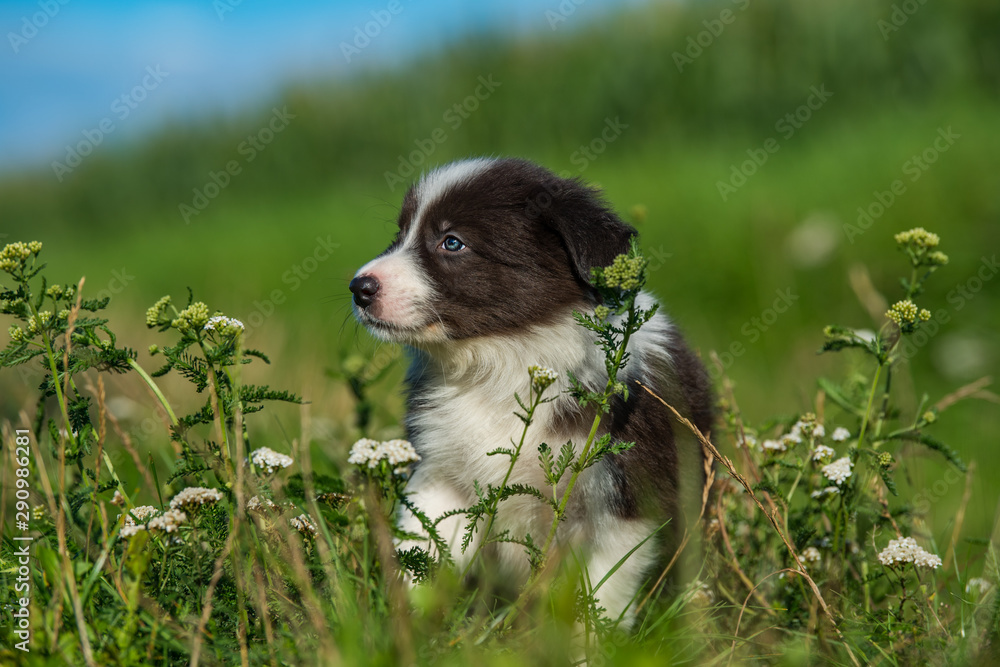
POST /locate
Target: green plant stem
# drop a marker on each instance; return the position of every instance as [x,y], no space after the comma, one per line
[577,469]
[155,389]
[52,367]
[536,400]
[871,401]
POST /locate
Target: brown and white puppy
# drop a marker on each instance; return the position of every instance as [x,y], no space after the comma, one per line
[491,259]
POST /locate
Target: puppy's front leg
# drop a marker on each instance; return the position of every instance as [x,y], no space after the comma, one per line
[609,547]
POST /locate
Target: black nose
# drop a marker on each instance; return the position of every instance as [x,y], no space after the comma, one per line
[365,288]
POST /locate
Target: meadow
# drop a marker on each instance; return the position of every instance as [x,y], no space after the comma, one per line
[743,162]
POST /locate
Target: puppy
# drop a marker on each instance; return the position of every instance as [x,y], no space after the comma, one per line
[491,259]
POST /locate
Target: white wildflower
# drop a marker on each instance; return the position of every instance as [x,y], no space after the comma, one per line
[840,434]
[364,452]
[399,452]
[819,431]
[168,521]
[542,377]
[839,470]
[749,441]
[303,524]
[828,491]
[260,504]
[131,530]
[811,555]
[118,499]
[774,446]
[195,496]
[823,453]
[977,586]
[269,460]
[141,513]
[794,437]
[368,452]
[224,325]
[906,550]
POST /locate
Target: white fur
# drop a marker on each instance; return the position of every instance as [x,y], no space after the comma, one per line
[470,386]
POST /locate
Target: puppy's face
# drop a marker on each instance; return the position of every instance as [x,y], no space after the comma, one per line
[486,247]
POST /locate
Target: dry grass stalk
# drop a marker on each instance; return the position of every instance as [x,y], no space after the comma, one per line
[771,517]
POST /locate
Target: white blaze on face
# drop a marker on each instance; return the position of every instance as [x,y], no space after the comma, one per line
[404,300]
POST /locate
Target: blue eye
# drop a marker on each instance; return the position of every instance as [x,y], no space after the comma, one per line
[452,244]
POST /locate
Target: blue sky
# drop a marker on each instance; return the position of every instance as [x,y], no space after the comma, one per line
[65,67]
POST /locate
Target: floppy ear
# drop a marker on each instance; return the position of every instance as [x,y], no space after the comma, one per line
[591,231]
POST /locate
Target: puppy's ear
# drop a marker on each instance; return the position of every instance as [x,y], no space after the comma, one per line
[592,233]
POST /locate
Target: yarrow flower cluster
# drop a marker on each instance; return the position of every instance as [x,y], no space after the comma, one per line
[811,555]
[168,522]
[156,311]
[304,525]
[906,550]
[368,452]
[775,446]
[194,316]
[541,377]
[807,427]
[14,255]
[260,504]
[141,513]
[838,471]
[195,496]
[828,491]
[130,528]
[624,273]
[840,434]
[269,460]
[905,313]
[918,236]
[227,326]
[823,453]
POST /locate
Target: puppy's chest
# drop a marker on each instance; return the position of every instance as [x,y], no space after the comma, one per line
[455,429]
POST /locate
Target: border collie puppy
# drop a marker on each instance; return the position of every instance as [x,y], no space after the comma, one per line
[491,259]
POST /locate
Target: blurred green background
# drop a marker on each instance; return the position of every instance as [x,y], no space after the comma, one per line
[692,86]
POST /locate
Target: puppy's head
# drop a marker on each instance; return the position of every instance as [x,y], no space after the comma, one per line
[487,247]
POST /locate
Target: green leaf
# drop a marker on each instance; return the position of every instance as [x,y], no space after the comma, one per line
[838,397]
[931,443]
